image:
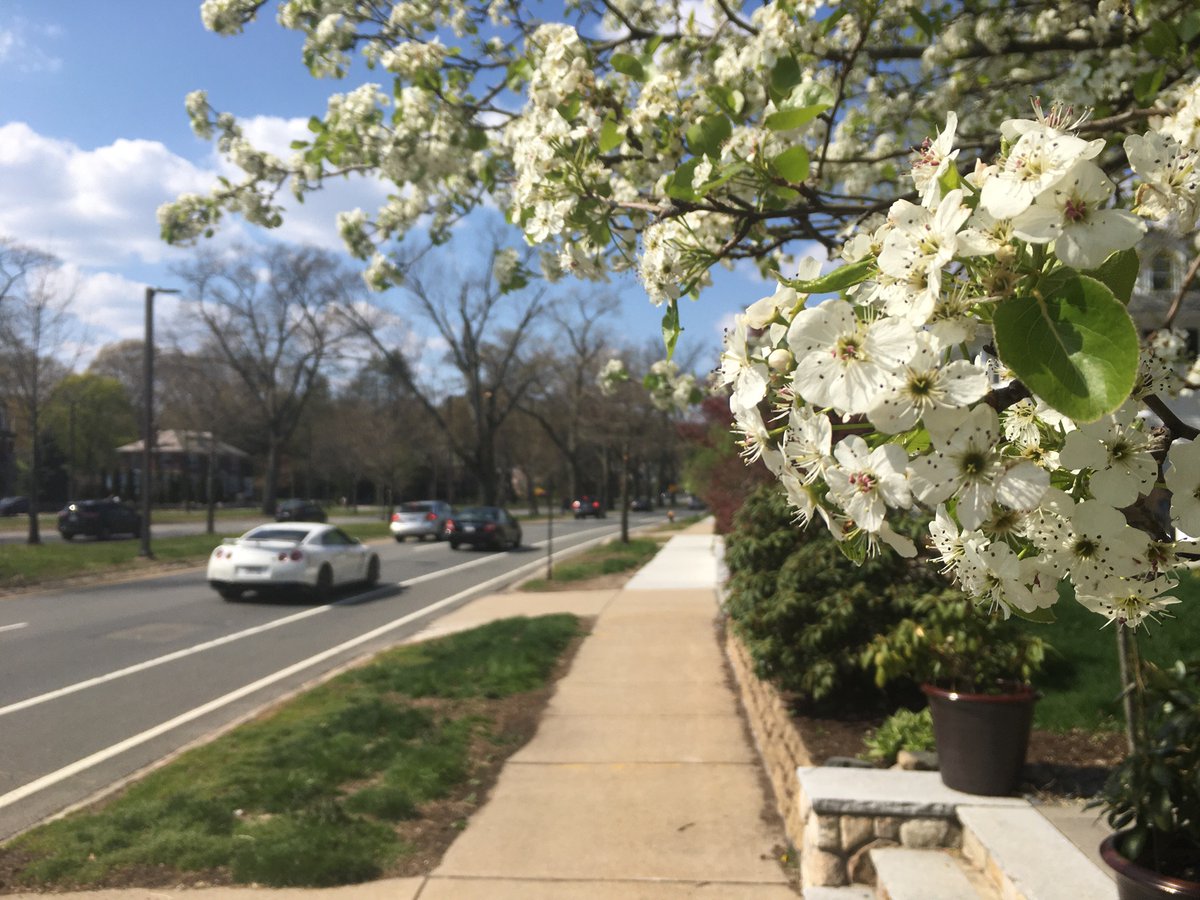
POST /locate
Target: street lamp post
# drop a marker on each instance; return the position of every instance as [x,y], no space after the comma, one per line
[148,414]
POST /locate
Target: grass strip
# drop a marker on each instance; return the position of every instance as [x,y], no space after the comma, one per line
[1080,683]
[605,559]
[28,565]
[329,789]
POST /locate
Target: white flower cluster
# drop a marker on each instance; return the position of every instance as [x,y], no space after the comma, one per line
[889,399]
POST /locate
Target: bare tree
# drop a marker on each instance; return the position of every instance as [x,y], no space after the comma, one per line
[36,326]
[272,315]
[485,331]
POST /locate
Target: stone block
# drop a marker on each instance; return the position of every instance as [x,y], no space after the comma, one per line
[856,831]
[888,828]
[818,867]
[922,834]
[860,868]
[823,833]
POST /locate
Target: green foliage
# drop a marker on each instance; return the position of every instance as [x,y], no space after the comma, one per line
[306,796]
[805,613]
[1071,342]
[607,559]
[902,730]
[948,640]
[1155,792]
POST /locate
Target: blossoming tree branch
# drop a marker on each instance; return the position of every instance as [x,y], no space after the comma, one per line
[972,357]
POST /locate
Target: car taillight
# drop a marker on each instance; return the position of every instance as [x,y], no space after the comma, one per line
[395,517]
[575,505]
[294,556]
[489,527]
[431,517]
[218,553]
[595,504]
[450,526]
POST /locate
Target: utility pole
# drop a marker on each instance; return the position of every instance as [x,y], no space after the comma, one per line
[148,439]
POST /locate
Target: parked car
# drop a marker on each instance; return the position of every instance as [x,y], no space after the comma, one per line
[696,503]
[307,555]
[299,511]
[420,519]
[100,519]
[14,506]
[588,506]
[483,526]
[641,504]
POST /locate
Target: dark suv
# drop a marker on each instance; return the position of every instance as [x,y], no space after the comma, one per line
[299,511]
[588,506]
[100,519]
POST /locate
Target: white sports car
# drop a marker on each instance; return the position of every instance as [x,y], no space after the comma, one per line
[307,555]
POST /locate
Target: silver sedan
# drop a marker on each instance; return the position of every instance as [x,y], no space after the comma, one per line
[307,555]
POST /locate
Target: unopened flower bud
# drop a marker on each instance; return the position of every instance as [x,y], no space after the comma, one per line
[781,360]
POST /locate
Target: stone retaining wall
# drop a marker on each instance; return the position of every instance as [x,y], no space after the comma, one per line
[833,845]
[779,743]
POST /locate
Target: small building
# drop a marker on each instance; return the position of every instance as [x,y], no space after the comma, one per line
[180,465]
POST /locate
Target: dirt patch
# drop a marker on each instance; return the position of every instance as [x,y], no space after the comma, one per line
[1058,765]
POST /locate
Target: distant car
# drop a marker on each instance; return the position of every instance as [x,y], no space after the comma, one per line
[100,519]
[696,503]
[299,511]
[420,519]
[641,504]
[14,506]
[588,506]
[483,526]
[307,555]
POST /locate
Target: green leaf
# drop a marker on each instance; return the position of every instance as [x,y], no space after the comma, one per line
[1161,40]
[792,164]
[786,119]
[476,139]
[671,329]
[629,65]
[726,172]
[679,183]
[837,280]
[1119,273]
[610,136]
[1043,616]
[707,135]
[1146,85]
[1075,346]
[923,23]
[785,75]
[731,101]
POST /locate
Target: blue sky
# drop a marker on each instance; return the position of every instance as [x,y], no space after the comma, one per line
[93,137]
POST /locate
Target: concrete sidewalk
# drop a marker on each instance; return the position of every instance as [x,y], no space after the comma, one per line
[641,781]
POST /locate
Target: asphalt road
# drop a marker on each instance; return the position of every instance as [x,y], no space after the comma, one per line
[99,682]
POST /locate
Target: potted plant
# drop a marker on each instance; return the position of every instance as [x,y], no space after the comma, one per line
[1153,797]
[974,667]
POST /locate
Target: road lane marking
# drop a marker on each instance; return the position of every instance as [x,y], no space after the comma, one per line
[158,661]
[13,627]
[81,765]
[226,639]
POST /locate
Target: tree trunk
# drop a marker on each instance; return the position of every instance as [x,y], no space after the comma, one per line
[271,478]
[35,477]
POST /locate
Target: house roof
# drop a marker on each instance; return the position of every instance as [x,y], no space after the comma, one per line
[183,441]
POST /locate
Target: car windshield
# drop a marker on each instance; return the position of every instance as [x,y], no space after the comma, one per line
[291,535]
[415,507]
[488,513]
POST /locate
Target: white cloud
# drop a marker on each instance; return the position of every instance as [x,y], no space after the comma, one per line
[22,47]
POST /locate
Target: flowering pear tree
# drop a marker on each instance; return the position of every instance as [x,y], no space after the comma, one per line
[972,357]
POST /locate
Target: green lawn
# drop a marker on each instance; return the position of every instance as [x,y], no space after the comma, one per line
[332,788]
[605,559]
[1080,684]
[24,565]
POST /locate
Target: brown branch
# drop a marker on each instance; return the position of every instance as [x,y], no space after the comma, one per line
[1179,428]
[1177,303]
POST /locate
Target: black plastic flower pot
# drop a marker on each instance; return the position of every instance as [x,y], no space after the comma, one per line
[981,738]
[1136,882]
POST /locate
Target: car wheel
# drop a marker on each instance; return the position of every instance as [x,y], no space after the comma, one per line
[324,586]
[230,593]
[68,535]
[514,543]
[373,572]
[399,539]
[136,530]
[454,545]
[103,534]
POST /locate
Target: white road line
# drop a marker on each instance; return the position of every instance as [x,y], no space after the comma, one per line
[217,642]
[149,734]
[13,627]
[158,661]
